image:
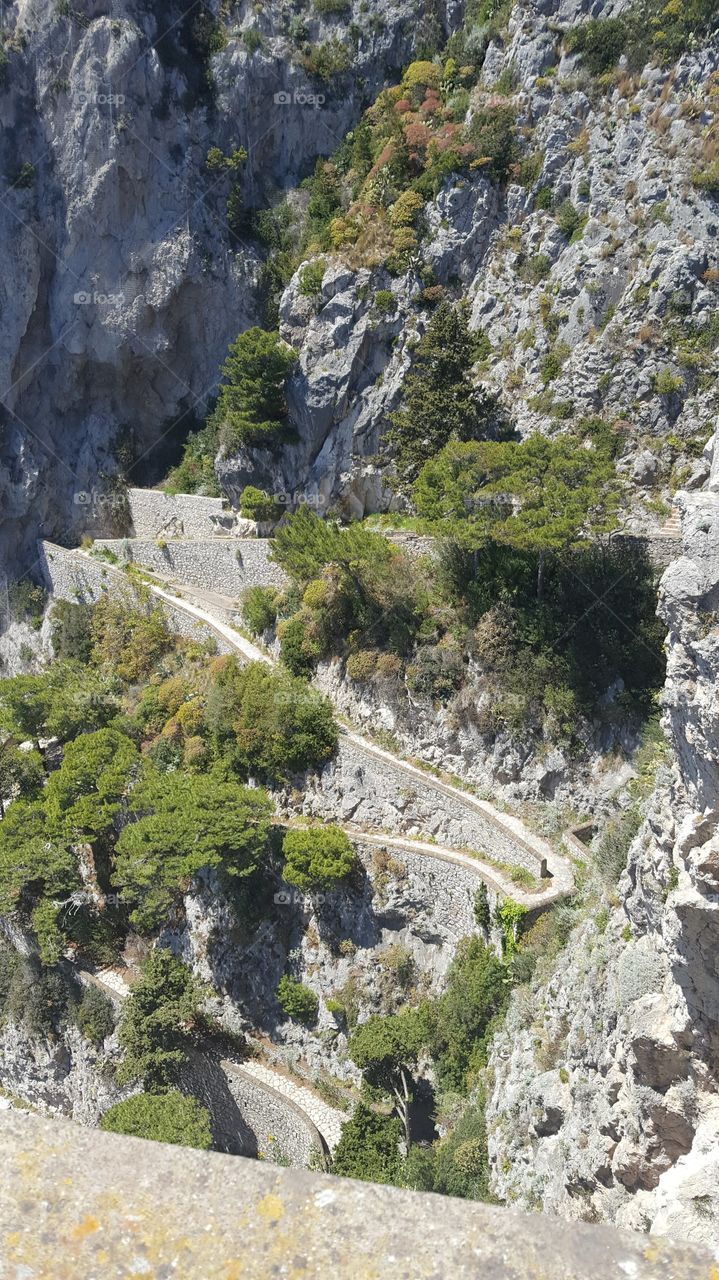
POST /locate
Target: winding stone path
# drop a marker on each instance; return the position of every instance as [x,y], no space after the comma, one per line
[562,880]
[211,608]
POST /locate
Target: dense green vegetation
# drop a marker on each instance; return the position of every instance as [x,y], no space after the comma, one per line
[163,1117]
[160,1019]
[159,740]
[525,571]
[649,28]
[452,1031]
[251,407]
[41,1000]
[297,1001]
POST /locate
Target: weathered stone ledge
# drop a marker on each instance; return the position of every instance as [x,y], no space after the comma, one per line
[78,1203]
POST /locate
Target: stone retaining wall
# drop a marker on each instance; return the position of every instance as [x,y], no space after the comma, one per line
[364,790]
[447,889]
[70,576]
[661,548]
[249,1118]
[153,513]
[282,1132]
[226,565]
[173,1211]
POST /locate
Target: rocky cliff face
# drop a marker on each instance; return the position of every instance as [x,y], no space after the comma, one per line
[612,315]
[604,1099]
[392,932]
[121,282]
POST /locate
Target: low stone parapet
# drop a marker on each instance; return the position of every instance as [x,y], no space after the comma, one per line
[75,1202]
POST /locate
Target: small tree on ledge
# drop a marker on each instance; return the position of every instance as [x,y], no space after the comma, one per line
[252,406]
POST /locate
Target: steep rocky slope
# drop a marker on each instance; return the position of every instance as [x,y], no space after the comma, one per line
[604,1092]
[122,283]
[593,275]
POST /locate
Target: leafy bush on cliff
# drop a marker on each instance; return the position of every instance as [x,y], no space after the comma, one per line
[160,1019]
[161,1117]
[297,1001]
[440,401]
[317,857]
[252,406]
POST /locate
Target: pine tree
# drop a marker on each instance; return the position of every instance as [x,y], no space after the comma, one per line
[252,405]
[440,401]
[541,496]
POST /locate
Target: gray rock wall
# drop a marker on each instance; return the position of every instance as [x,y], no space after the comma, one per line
[603,1095]
[59,1075]
[249,1119]
[282,1133]
[371,790]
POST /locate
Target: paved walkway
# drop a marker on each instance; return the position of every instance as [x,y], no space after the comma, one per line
[326,1119]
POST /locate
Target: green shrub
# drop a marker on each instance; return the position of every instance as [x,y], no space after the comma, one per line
[184,825]
[70,630]
[163,1117]
[297,1001]
[529,168]
[251,406]
[368,1148]
[158,1020]
[298,651]
[362,665]
[317,858]
[27,602]
[252,39]
[611,851]
[543,198]
[667,383]
[95,1015]
[255,504]
[707,179]
[569,220]
[326,61]
[311,277]
[550,367]
[332,8]
[259,608]
[493,135]
[384,301]
[482,913]
[535,269]
[461,1160]
[601,42]
[31,996]
[460,1019]
[25,175]
[268,723]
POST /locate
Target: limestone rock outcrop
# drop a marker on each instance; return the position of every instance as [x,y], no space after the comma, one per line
[604,1091]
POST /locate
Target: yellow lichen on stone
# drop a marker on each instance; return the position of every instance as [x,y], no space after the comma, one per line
[271,1208]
